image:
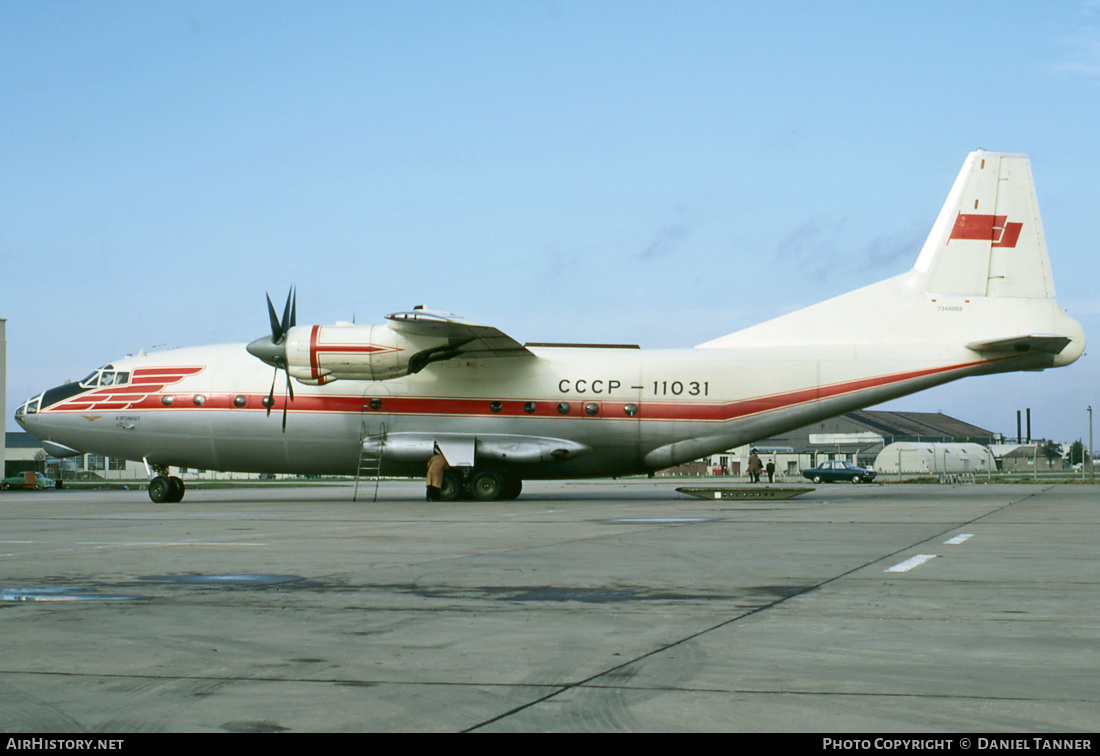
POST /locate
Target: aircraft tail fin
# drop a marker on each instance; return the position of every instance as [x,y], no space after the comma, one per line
[988,239]
[982,280]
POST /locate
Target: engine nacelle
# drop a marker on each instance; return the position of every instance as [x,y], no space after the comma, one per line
[321,354]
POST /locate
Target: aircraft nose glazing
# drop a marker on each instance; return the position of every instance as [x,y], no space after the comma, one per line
[29,407]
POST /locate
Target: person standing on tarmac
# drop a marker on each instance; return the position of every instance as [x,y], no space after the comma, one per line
[436,465]
[755,466]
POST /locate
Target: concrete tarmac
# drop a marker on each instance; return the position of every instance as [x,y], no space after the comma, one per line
[608,606]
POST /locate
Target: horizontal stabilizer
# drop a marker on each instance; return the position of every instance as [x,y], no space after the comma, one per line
[1023,344]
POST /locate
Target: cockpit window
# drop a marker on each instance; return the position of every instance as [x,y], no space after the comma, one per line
[106,376]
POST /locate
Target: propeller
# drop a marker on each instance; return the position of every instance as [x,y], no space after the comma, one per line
[290,315]
[272,349]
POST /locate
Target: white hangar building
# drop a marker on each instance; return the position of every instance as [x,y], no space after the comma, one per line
[923,458]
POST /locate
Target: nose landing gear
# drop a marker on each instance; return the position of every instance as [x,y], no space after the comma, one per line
[165,489]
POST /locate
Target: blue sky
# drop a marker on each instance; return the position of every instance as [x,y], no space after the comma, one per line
[648,172]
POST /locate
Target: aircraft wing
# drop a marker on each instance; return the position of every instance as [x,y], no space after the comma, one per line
[463,339]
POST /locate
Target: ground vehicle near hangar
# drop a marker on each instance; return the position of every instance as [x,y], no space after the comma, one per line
[839,470]
[28,480]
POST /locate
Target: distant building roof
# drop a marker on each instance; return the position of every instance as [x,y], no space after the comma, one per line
[866,431]
[21,440]
[930,424]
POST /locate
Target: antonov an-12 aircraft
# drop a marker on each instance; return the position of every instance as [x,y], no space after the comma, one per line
[978,300]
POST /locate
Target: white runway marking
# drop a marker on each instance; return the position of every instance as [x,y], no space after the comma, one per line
[961,538]
[912,562]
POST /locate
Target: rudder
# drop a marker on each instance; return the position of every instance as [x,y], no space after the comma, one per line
[988,238]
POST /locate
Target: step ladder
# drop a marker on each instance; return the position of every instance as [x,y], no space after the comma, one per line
[371,445]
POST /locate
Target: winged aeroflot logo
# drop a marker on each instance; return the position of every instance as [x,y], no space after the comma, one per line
[990,228]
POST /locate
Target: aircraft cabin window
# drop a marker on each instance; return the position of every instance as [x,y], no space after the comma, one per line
[563,408]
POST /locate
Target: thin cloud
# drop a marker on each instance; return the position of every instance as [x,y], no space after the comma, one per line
[664,242]
[811,247]
[814,248]
[889,249]
[1084,54]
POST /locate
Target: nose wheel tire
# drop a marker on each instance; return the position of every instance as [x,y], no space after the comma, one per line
[166,490]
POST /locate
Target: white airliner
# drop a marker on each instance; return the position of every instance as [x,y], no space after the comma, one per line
[978,300]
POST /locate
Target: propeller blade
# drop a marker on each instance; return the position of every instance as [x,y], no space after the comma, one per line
[274,351]
[271,394]
[276,326]
[285,323]
[290,394]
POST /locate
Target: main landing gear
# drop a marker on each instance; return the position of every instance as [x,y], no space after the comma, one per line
[479,484]
[165,489]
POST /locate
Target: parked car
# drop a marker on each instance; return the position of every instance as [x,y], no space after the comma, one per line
[837,470]
[20,481]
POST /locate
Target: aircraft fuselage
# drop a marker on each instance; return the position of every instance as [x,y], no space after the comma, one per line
[979,299]
[623,411]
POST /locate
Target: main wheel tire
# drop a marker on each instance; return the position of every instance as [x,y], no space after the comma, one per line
[451,488]
[178,489]
[487,485]
[160,490]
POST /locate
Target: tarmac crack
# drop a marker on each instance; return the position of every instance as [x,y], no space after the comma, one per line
[617,668]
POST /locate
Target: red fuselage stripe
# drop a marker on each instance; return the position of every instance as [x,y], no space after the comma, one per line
[115,398]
